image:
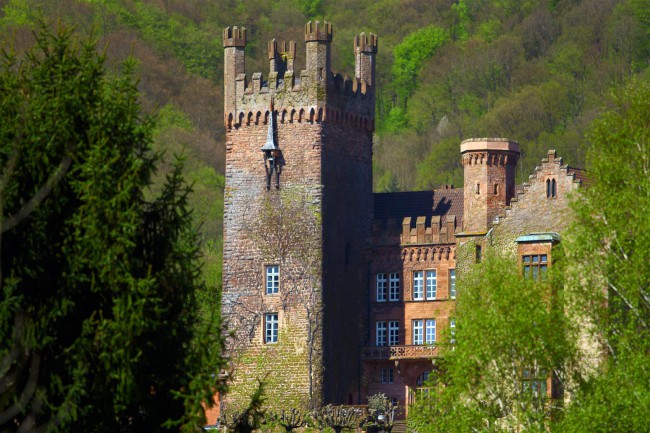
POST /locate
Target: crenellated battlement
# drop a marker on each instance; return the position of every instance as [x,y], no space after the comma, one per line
[428,231]
[319,94]
[281,57]
[234,37]
[366,43]
[317,31]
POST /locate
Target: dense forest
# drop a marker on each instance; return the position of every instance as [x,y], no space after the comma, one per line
[537,71]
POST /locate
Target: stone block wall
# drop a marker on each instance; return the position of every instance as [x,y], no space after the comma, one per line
[347,220]
[284,365]
[322,125]
[536,210]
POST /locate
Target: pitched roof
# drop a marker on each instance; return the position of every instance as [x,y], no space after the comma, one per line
[439,202]
[580,174]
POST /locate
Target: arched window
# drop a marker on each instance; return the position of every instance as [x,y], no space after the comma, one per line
[478,188]
[422,378]
[496,189]
[553,188]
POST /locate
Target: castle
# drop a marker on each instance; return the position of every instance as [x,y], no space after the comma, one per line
[333,292]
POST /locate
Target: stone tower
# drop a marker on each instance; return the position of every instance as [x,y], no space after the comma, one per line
[489,170]
[298,210]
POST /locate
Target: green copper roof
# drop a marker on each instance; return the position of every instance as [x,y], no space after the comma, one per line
[539,237]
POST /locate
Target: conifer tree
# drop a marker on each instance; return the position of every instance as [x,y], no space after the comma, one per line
[98,318]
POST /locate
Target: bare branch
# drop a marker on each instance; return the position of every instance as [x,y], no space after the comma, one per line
[40,195]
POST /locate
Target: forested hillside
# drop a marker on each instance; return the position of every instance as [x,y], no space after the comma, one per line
[534,71]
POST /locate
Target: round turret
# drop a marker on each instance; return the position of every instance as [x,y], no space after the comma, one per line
[489,170]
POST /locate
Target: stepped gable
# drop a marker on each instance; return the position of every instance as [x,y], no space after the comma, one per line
[417,216]
[546,191]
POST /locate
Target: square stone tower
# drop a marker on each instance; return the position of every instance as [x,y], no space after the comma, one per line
[298,210]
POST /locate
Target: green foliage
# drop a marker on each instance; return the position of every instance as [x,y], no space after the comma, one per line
[250,418]
[386,183]
[461,20]
[170,116]
[311,8]
[440,166]
[17,12]
[511,336]
[381,413]
[618,398]
[410,55]
[198,49]
[611,248]
[395,122]
[99,283]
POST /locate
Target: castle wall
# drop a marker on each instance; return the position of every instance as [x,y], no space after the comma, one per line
[535,211]
[347,216]
[243,298]
[312,225]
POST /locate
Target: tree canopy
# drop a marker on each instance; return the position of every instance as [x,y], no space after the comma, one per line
[611,248]
[99,324]
[584,328]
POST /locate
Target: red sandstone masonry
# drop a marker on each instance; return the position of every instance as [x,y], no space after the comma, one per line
[489,171]
[324,125]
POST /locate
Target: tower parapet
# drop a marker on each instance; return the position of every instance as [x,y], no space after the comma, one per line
[365,48]
[234,64]
[281,57]
[313,95]
[489,171]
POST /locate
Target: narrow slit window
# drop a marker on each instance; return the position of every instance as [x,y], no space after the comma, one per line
[553,188]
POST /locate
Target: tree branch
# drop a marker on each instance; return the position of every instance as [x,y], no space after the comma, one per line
[40,195]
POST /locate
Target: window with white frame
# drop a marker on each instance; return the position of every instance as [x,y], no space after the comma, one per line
[418,285]
[432,285]
[386,375]
[452,331]
[381,287]
[271,328]
[393,286]
[380,335]
[452,283]
[393,333]
[417,332]
[272,279]
[430,336]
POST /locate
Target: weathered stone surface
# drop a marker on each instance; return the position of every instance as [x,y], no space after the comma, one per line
[324,133]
